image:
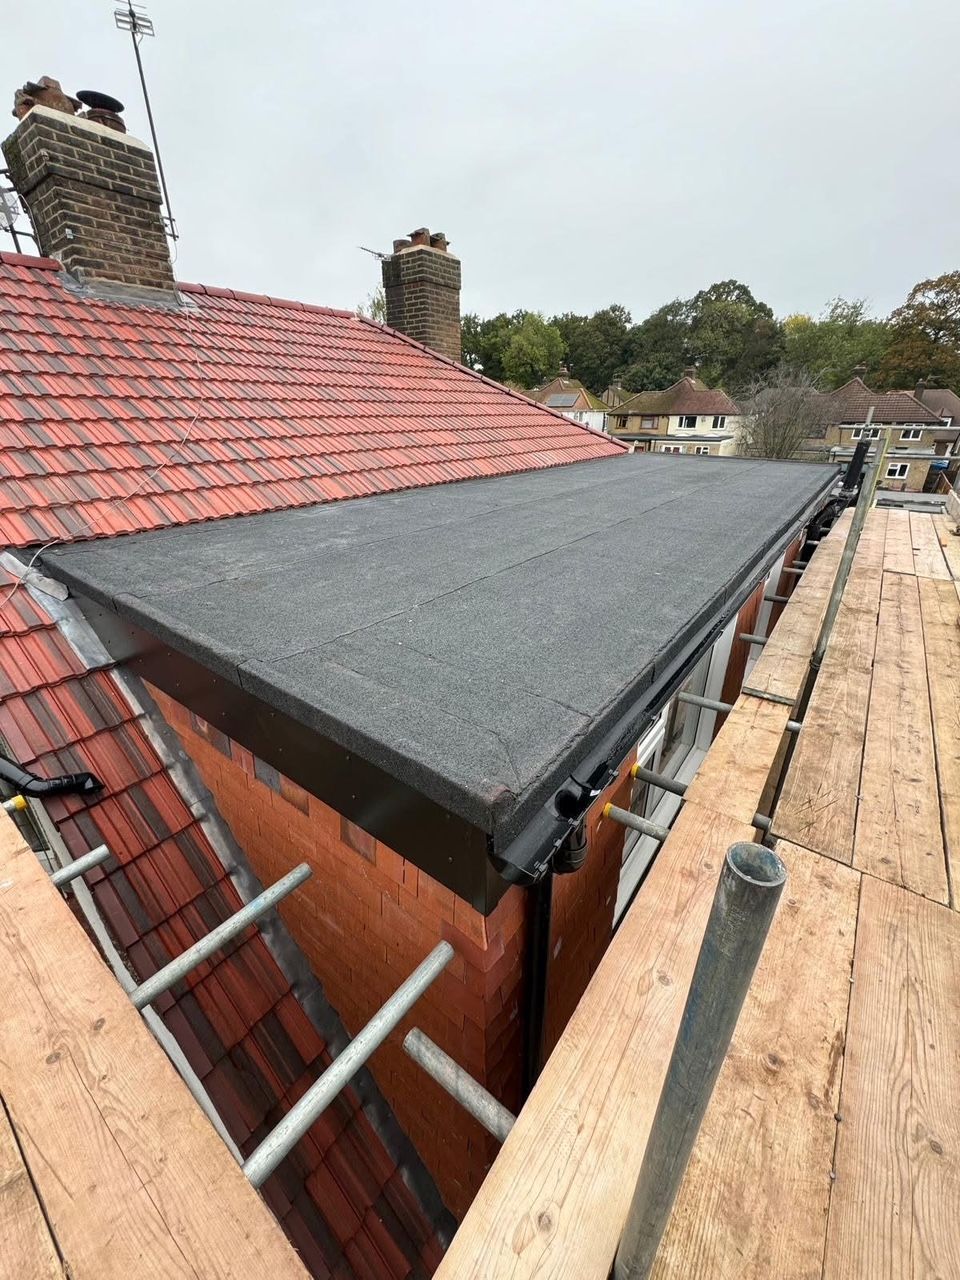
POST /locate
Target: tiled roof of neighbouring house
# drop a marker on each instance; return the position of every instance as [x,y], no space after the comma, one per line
[688,395]
[854,400]
[340,1196]
[119,418]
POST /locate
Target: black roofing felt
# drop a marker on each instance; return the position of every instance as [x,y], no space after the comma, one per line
[474,640]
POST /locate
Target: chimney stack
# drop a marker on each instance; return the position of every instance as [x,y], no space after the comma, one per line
[690,371]
[91,190]
[919,389]
[421,282]
[859,371]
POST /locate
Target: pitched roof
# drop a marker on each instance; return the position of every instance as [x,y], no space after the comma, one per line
[237,1020]
[945,403]
[119,418]
[688,395]
[854,400]
[550,392]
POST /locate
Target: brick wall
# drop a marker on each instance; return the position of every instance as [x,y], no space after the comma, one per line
[93,198]
[366,919]
[422,289]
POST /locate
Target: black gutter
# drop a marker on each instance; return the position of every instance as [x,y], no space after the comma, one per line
[29,784]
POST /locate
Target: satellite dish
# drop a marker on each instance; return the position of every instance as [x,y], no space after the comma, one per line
[9,209]
[99,101]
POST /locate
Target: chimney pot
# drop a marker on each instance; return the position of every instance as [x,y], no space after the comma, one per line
[420,236]
[45,92]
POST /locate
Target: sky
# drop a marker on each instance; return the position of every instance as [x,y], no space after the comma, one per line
[575,153]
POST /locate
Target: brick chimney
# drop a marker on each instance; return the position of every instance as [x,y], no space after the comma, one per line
[92,193]
[421,281]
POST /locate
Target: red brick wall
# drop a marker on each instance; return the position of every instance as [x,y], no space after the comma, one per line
[365,919]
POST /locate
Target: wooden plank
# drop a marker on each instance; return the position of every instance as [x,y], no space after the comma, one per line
[898,820]
[895,1202]
[555,1200]
[940,610]
[927,552]
[818,802]
[133,1177]
[949,543]
[753,1203]
[27,1251]
[734,774]
[898,552]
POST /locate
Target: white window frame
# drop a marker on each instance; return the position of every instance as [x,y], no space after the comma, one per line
[898,471]
[701,449]
[671,448]
[639,851]
[719,422]
[911,433]
[686,422]
[872,433]
[648,422]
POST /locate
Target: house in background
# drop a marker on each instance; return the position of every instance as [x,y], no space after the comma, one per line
[571,398]
[855,412]
[688,417]
[615,394]
[946,439]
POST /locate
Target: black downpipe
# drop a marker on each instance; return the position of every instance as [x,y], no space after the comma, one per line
[28,784]
[538,967]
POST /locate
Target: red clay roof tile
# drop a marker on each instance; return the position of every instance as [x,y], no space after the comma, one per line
[111,410]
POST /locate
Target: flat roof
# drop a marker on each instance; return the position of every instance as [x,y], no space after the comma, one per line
[475,641]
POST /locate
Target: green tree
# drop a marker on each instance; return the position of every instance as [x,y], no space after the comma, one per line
[831,346]
[596,346]
[533,351]
[375,306]
[657,349]
[925,335]
[733,337]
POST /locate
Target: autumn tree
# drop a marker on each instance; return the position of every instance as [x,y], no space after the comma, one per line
[925,336]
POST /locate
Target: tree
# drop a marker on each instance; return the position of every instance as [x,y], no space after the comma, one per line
[657,349]
[533,351]
[733,337]
[596,345]
[925,335]
[781,409]
[842,337]
[375,307]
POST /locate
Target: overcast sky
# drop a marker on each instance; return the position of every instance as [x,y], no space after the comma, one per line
[576,153]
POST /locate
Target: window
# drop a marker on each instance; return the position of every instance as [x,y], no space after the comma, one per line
[719,422]
[688,422]
[647,424]
[702,448]
[671,448]
[898,470]
[865,433]
[911,433]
